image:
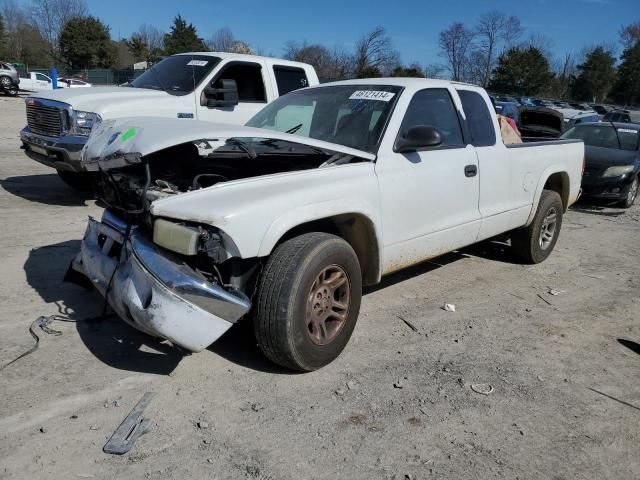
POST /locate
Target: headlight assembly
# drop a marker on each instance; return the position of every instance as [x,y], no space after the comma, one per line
[83,122]
[617,171]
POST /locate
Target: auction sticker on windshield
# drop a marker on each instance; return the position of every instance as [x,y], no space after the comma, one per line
[197,63]
[627,130]
[372,95]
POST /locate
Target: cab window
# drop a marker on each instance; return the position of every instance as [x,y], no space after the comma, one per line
[434,107]
[289,79]
[479,119]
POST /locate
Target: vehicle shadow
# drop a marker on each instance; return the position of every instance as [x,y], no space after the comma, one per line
[45,188]
[239,346]
[630,344]
[597,206]
[110,340]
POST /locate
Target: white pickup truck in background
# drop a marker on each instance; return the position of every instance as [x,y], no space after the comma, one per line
[325,190]
[213,87]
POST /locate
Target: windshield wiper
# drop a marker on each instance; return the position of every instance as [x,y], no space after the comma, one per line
[294,129]
[244,147]
[155,73]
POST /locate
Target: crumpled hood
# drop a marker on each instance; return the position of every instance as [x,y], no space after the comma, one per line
[102,99]
[119,142]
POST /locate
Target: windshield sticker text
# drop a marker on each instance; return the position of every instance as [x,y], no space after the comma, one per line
[627,130]
[197,63]
[372,95]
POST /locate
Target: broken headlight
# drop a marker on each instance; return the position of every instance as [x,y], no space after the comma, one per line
[83,122]
[192,240]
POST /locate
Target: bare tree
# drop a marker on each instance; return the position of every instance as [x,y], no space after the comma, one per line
[375,55]
[565,71]
[435,70]
[50,16]
[630,34]
[242,48]
[146,44]
[222,40]
[494,33]
[540,42]
[455,45]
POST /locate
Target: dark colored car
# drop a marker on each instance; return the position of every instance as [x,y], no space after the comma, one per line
[540,122]
[612,160]
[622,116]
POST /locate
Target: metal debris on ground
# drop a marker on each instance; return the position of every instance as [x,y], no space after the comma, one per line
[544,300]
[408,323]
[449,307]
[131,428]
[482,388]
[554,292]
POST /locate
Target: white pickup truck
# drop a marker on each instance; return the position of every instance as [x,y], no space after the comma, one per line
[325,190]
[211,86]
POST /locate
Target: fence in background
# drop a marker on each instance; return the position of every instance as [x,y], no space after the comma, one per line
[96,76]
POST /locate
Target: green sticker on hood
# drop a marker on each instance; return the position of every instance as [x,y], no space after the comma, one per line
[128,134]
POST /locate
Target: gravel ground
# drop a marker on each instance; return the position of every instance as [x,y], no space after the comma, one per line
[398,403]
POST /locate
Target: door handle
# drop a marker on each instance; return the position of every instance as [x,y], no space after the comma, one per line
[470,171]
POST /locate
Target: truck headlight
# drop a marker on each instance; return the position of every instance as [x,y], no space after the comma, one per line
[175,237]
[617,171]
[83,122]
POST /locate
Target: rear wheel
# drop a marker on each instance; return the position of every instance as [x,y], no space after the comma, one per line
[81,181]
[534,243]
[5,82]
[632,194]
[307,302]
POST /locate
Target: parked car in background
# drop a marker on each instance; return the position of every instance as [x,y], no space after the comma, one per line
[601,110]
[65,82]
[526,101]
[36,82]
[210,86]
[622,116]
[573,117]
[9,79]
[612,160]
[540,122]
[507,98]
[323,191]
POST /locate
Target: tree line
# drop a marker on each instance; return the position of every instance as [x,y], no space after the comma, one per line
[492,53]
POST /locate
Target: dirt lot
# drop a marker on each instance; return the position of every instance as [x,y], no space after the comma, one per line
[397,404]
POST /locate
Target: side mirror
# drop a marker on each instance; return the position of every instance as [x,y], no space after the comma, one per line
[222,93]
[418,138]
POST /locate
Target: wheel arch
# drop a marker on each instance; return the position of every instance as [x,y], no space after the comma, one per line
[357,229]
[556,180]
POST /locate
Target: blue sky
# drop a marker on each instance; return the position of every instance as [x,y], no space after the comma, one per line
[412,24]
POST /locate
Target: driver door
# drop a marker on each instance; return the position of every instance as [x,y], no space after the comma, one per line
[429,199]
[251,79]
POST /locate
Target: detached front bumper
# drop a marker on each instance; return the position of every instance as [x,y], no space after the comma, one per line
[152,290]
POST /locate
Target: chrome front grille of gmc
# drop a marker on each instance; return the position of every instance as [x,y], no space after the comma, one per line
[46,118]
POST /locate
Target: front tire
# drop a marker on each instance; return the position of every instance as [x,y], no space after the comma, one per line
[307,301]
[534,243]
[632,194]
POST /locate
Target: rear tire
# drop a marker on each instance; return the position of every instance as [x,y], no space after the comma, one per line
[307,301]
[6,82]
[632,194]
[81,181]
[534,243]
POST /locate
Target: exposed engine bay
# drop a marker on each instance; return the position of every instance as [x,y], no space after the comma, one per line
[130,190]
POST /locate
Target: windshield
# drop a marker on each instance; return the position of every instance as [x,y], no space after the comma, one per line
[349,115]
[604,136]
[177,75]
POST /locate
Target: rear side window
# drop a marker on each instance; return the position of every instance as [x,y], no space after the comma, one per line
[289,79]
[248,77]
[435,108]
[479,119]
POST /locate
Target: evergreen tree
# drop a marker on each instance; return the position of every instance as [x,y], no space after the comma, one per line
[522,71]
[182,38]
[627,87]
[597,75]
[85,43]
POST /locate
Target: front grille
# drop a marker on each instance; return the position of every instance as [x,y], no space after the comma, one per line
[43,119]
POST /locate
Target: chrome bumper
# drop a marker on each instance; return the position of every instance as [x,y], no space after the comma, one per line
[154,291]
[61,153]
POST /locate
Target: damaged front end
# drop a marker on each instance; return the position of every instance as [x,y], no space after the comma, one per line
[154,290]
[184,281]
